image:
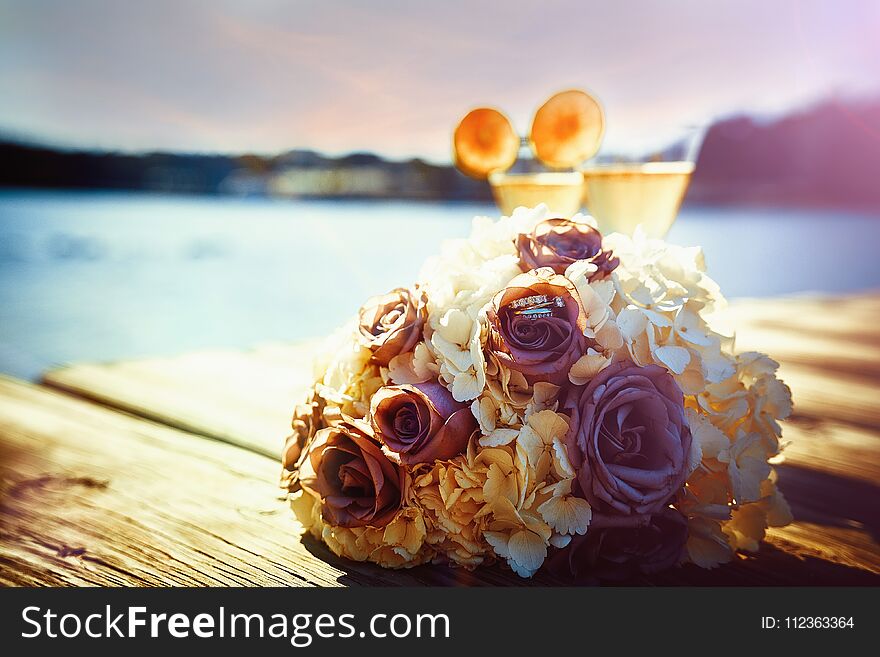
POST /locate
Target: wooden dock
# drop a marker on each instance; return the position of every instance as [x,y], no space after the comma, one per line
[163,472]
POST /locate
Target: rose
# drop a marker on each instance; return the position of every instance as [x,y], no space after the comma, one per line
[536,326]
[623,552]
[357,484]
[391,324]
[630,440]
[305,422]
[421,422]
[556,243]
[308,418]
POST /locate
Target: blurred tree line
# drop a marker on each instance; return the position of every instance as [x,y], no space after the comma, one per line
[825,156]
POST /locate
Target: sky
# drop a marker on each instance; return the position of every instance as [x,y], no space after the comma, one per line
[393,77]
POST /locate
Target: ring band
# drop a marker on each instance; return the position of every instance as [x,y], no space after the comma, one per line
[537,306]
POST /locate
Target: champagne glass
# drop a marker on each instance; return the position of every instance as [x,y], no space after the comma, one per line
[565,131]
[529,183]
[622,193]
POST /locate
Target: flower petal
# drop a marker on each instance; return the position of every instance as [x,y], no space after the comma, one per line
[527,552]
[567,514]
[499,437]
[674,358]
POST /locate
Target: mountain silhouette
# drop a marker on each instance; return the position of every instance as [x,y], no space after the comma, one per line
[825,156]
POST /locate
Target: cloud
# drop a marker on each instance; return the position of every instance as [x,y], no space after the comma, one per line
[394,78]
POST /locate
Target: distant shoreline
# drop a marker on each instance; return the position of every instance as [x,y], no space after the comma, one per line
[868,212]
[818,158]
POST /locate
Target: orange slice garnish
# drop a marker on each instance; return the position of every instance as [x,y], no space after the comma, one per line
[484,141]
[567,129]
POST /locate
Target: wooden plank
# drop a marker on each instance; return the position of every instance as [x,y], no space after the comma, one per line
[92,496]
[244,398]
[839,449]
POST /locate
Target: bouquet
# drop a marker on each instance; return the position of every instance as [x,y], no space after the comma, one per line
[544,397]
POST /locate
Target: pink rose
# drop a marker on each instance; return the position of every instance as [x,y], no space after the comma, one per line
[357,484]
[306,421]
[421,422]
[391,324]
[536,326]
[556,243]
[630,439]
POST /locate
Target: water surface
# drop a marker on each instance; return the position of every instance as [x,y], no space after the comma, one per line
[103,276]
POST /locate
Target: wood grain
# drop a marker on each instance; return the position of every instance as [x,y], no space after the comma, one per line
[93,496]
[97,496]
[244,398]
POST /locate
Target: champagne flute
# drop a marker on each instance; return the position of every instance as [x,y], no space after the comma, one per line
[565,131]
[529,183]
[623,193]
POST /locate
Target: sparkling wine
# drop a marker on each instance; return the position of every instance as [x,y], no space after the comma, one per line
[622,196]
[562,192]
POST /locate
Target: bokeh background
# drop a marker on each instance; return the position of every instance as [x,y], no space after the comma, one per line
[185,175]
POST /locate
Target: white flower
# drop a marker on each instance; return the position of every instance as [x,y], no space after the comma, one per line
[346,378]
[601,328]
[493,237]
[528,488]
[545,397]
[416,366]
[523,549]
[595,298]
[708,439]
[707,544]
[542,441]
[662,295]
[499,422]
[663,276]
[747,466]
[751,399]
[565,513]
[457,344]
[749,522]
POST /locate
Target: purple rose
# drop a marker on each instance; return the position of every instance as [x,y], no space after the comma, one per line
[536,326]
[421,422]
[623,552]
[556,243]
[630,439]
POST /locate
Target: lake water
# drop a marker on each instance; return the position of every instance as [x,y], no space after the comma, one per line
[103,276]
